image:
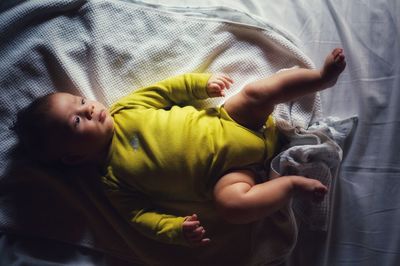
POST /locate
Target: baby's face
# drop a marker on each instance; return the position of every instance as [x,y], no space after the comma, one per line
[88,124]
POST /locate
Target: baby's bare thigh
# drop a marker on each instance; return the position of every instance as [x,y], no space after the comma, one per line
[245,177]
[247,111]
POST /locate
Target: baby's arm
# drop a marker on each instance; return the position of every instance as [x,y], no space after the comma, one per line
[178,90]
[193,231]
[141,214]
[158,226]
[171,229]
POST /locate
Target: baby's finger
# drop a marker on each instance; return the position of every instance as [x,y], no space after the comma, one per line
[215,90]
[227,85]
[215,87]
[196,231]
[193,217]
[204,242]
[197,235]
[228,78]
[228,81]
[220,82]
[190,226]
[201,242]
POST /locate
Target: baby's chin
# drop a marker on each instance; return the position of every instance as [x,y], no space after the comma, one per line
[110,123]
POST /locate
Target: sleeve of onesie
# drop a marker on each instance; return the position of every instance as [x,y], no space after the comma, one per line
[176,90]
[146,220]
[161,227]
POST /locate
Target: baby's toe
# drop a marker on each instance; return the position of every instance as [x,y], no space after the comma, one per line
[337,51]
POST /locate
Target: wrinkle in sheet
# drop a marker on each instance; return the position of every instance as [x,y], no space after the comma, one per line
[368,217]
[357,256]
[369,248]
[380,212]
[378,18]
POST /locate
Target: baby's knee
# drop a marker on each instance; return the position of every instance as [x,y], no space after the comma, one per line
[230,198]
[259,99]
[251,93]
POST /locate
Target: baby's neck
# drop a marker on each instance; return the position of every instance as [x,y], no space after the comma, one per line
[100,158]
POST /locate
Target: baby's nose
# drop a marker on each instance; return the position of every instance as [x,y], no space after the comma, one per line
[89,112]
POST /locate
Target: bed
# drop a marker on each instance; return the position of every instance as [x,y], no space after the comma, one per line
[363,227]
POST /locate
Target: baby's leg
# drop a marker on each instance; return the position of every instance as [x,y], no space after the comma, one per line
[256,100]
[240,200]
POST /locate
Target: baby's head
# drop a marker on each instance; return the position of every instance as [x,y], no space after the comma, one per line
[61,127]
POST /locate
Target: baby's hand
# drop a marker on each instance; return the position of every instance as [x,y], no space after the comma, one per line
[194,232]
[217,84]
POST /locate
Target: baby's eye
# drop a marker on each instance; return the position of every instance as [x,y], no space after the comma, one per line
[77,120]
[83,101]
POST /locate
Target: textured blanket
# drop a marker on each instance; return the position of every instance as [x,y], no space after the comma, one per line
[104,50]
[315,152]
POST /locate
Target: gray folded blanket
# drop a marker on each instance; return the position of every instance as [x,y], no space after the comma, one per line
[316,153]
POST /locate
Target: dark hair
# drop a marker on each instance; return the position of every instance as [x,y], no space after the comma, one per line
[33,122]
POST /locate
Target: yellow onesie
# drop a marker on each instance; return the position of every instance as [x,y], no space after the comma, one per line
[166,151]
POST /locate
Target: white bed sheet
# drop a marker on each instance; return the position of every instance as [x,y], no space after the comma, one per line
[364,229]
[365,225]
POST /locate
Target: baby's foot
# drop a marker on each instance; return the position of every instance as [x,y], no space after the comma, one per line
[309,188]
[334,64]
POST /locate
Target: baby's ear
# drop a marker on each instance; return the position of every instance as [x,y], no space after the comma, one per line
[72,159]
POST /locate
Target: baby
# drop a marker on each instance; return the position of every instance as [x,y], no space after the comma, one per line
[151,146]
